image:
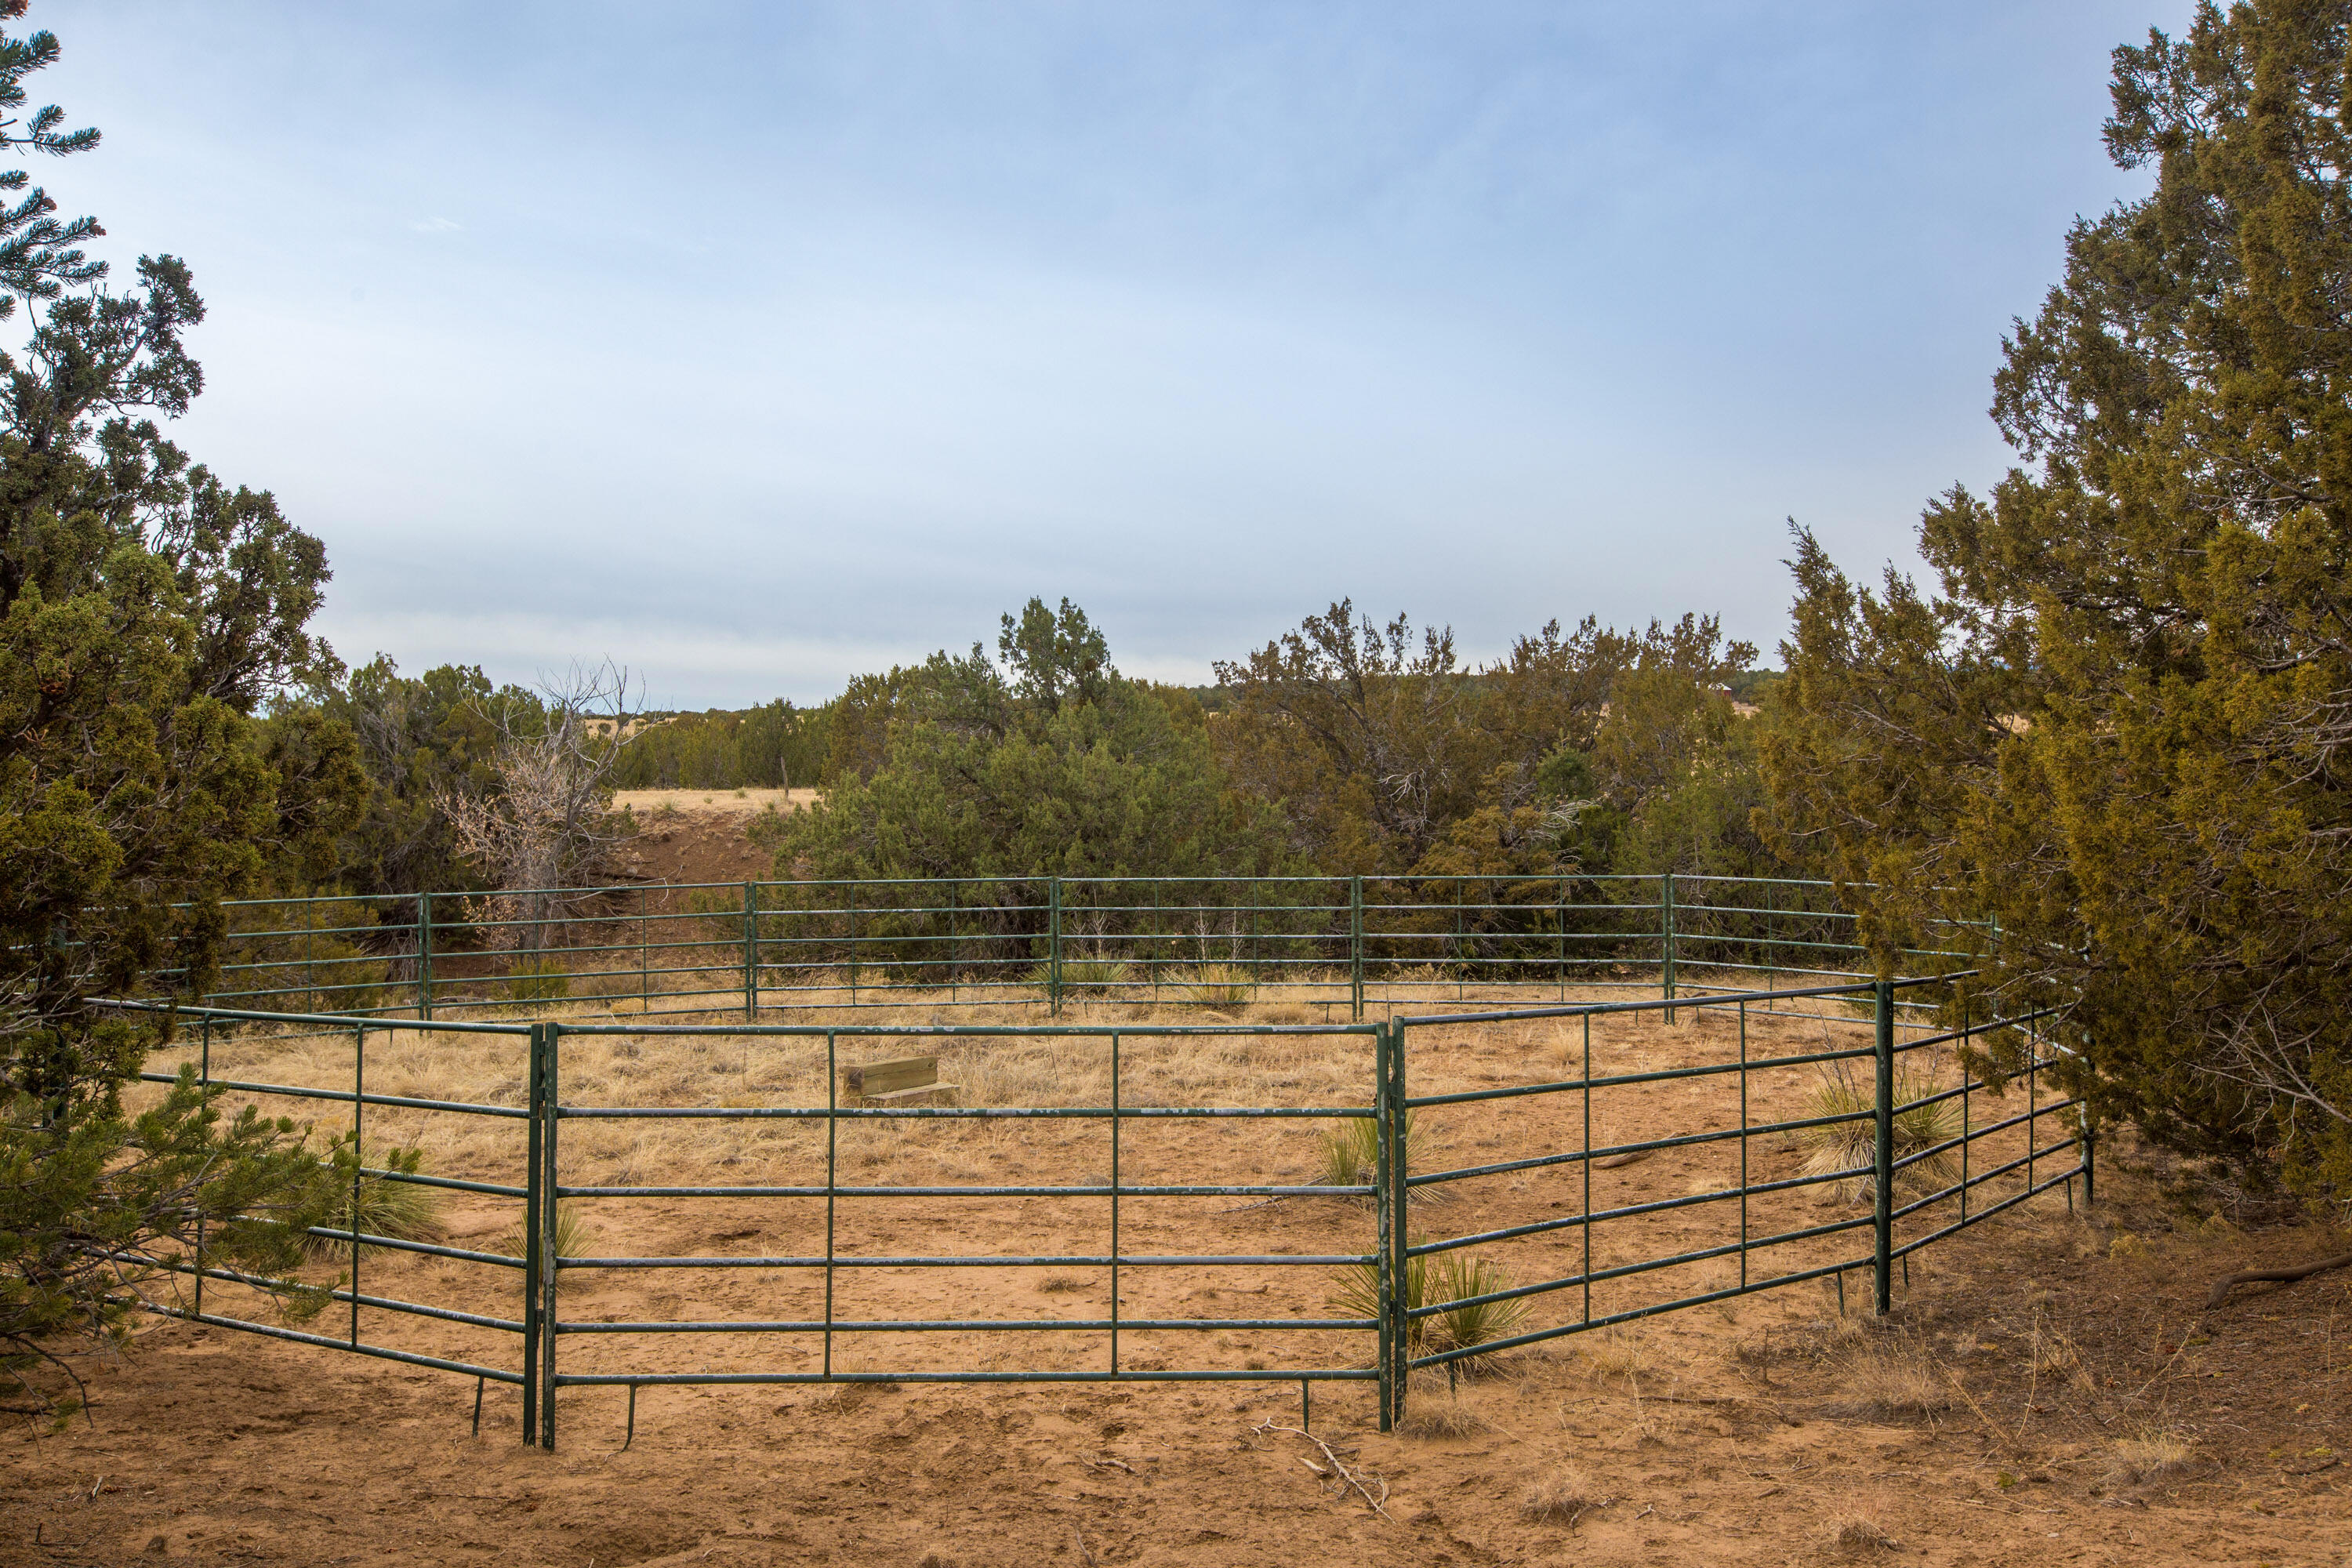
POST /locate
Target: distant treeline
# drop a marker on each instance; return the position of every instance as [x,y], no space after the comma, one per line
[773,746]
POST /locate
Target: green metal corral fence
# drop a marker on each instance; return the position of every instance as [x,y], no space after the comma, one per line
[1348,947]
[1984,1166]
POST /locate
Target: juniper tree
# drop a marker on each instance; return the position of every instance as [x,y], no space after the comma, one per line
[2118,724]
[145,611]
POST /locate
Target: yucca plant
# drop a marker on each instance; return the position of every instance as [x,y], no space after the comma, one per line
[1352,1152]
[570,1236]
[1082,974]
[1214,985]
[1457,1276]
[1846,1145]
[1448,1276]
[401,1210]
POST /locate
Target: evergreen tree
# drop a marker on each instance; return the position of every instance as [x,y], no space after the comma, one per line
[2118,726]
[1052,763]
[145,612]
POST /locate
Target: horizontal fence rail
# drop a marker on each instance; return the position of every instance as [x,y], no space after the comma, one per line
[1342,946]
[1767,1154]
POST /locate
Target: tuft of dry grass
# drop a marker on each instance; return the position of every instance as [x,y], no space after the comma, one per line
[1859,1532]
[1613,1352]
[1560,1495]
[1895,1381]
[2057,1357]
[2148,1457]
[1062,1284]
[1447,1418]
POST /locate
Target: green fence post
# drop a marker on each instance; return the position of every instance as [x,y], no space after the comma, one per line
[1054,946]
[1400,1155]
[1666,917]
[750,954]
[534,1176]
[425,956]
[1383,1219]
[548,1251]
[2088,1136]
[1883,1162]
[1356,949]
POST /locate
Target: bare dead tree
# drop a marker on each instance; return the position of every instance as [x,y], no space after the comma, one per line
[547,823]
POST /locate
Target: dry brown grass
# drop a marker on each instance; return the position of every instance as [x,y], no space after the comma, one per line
[1894,1381]
[1211,984]
[1061,1285]
[1560,1495]
[2149,1457]
[1858,1533]
[1441,1414]
[1615,1353]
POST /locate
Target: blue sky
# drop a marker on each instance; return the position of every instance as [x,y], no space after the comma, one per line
[755,345]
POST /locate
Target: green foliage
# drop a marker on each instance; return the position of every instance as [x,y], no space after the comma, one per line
[538,977]
[1062,771]
[1350,1152]
[1388,755]
[146,611]
[1595,751]
[776,746]
[96,1207]
[1446,1277]
[417,738]
[2118,726]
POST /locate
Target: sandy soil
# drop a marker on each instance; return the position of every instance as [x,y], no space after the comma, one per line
[2048,1386]
[651,803]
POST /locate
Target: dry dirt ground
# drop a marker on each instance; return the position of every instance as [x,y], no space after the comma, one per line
[690,836]
[2050,1386]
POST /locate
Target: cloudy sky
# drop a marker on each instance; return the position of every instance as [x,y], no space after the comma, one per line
[756,345]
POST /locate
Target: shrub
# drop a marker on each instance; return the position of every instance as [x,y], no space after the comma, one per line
[538,977]
[1846,1145]
[1082,974]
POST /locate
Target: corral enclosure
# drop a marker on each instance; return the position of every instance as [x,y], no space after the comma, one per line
[1125,1192]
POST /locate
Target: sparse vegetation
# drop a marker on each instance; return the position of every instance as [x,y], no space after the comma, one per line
[1858,1533]
[1083,976]
[2149,1457]
[1350,1152]
[1893,1381]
